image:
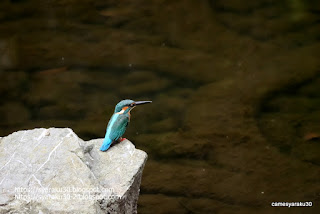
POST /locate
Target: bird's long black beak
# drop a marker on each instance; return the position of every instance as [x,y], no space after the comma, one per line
[142,102]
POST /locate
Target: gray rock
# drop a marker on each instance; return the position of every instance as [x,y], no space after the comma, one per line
[54,171]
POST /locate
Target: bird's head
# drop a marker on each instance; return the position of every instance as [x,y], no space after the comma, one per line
[125,106]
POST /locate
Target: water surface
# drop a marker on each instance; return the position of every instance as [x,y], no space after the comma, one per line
[234,123]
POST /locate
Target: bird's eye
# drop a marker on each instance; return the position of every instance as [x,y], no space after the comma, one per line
[131,105]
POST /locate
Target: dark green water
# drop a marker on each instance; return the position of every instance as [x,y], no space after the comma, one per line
[234,123]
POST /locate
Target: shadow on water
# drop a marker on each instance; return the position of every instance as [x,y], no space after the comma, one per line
[234,123]
[289,118]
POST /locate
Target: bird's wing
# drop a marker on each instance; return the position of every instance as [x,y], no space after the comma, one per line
[119,127]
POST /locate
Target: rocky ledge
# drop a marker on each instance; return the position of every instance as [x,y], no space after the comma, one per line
[54,171]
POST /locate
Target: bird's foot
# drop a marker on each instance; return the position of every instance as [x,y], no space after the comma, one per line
[122,139]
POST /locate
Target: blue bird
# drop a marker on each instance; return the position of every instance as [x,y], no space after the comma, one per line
[119,121]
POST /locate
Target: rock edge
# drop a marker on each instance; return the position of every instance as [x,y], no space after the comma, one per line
[54,171]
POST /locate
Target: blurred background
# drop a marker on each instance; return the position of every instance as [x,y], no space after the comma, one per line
[234,123]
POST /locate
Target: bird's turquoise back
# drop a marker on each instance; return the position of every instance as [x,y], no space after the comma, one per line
[116,128]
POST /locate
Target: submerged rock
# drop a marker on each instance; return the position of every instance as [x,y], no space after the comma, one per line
[54,171]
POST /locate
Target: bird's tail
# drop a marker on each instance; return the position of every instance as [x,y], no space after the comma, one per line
[106,144]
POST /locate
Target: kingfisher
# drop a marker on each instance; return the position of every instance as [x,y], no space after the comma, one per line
[119,121]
